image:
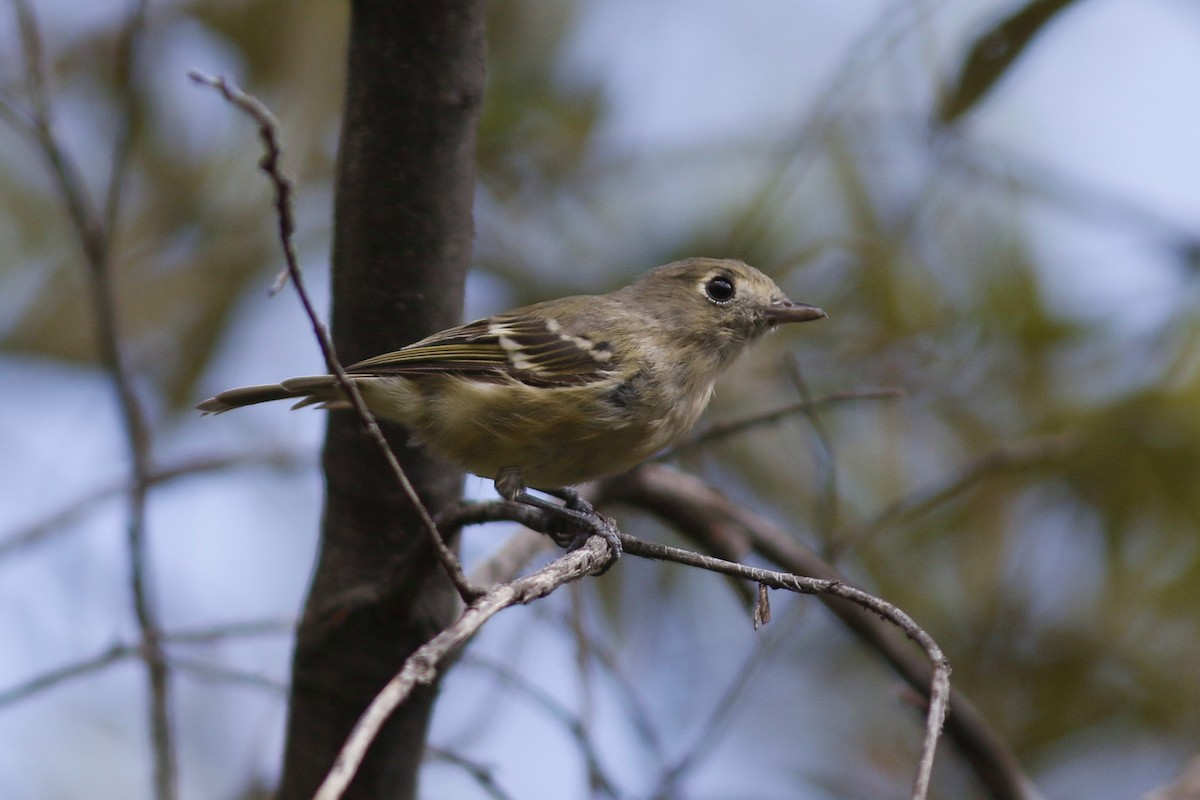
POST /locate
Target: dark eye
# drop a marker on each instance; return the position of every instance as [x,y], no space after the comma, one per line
[719,289]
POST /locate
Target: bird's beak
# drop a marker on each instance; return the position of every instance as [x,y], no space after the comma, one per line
[790,311]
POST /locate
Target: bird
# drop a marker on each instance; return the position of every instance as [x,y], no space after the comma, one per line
[555,394]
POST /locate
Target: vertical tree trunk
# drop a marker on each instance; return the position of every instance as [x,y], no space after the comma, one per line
[402,242]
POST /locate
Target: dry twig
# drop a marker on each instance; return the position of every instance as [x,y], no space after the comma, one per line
[96,231]
[422,666]
[268,132]
[704,515]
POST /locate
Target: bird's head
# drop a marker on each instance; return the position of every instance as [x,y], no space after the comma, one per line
[722,302]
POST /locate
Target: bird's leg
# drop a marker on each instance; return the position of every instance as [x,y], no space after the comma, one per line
[578,518]
[594,522]
[573,499]
[511,486]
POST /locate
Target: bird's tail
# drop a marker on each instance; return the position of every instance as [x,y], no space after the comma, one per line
[319,390]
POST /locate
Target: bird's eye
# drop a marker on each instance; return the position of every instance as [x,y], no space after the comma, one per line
[719,289]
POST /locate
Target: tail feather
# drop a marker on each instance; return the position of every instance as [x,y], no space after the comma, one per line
[319,389]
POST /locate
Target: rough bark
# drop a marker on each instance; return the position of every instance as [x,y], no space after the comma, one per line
[402,242]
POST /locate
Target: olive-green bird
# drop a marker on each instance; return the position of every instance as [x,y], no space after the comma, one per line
[561,392]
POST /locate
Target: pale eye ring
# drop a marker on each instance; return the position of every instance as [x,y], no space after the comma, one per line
[720,289]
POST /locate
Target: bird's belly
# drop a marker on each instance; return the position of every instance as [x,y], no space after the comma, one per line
[553,436]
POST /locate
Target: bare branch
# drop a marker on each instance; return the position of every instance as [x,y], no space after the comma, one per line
[482,775]
[268,132]
[714,726]
[636,709]
[575,724]
[709,518]
[690,504]
[938,687]
[52,678]
[219,673]
[127,51]
[121,651]
[800,150]
[1017,455]
[422,666]
[804,406]
[507,562]
[96,243]
[825,510]
[281,626]
[35,532]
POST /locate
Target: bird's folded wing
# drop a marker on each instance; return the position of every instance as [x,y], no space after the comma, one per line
[532,350]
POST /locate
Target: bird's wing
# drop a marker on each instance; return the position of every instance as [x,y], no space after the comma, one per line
[533,350]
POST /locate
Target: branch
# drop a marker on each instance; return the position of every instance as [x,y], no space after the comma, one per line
[35,532]
[707,517]
[51,678]
[575,724]
[268,132]
[826,509]
[96,233]
[127,52]
[421,668]
[937,689]
[483,776]
[120,651]
[804,406]
[636,710]
[1017,455]
[714,726]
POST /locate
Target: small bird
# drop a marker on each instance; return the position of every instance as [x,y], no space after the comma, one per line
[561,392]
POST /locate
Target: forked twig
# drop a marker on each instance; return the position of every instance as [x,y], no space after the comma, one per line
[421,668]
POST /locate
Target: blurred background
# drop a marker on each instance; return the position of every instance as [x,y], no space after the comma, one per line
[1001,219]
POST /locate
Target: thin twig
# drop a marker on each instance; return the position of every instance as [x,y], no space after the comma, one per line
[127,52]
[575,724]
[636,710]
[38,531]
[421,668]
[576,622]
[825,511]
[96,243]
[705,515]
[714,726]
[51,678]
[507,562]
[121,651]
[275,626]
[724,430]
[484,776]
[1016,455]
[268,132]
[219,673]
[800,150]
[939,686]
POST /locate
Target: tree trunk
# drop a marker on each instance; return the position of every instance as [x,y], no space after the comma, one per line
[402,243]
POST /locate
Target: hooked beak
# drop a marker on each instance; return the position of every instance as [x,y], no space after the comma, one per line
[790,311]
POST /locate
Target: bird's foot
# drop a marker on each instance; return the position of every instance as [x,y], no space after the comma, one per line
[570,524]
